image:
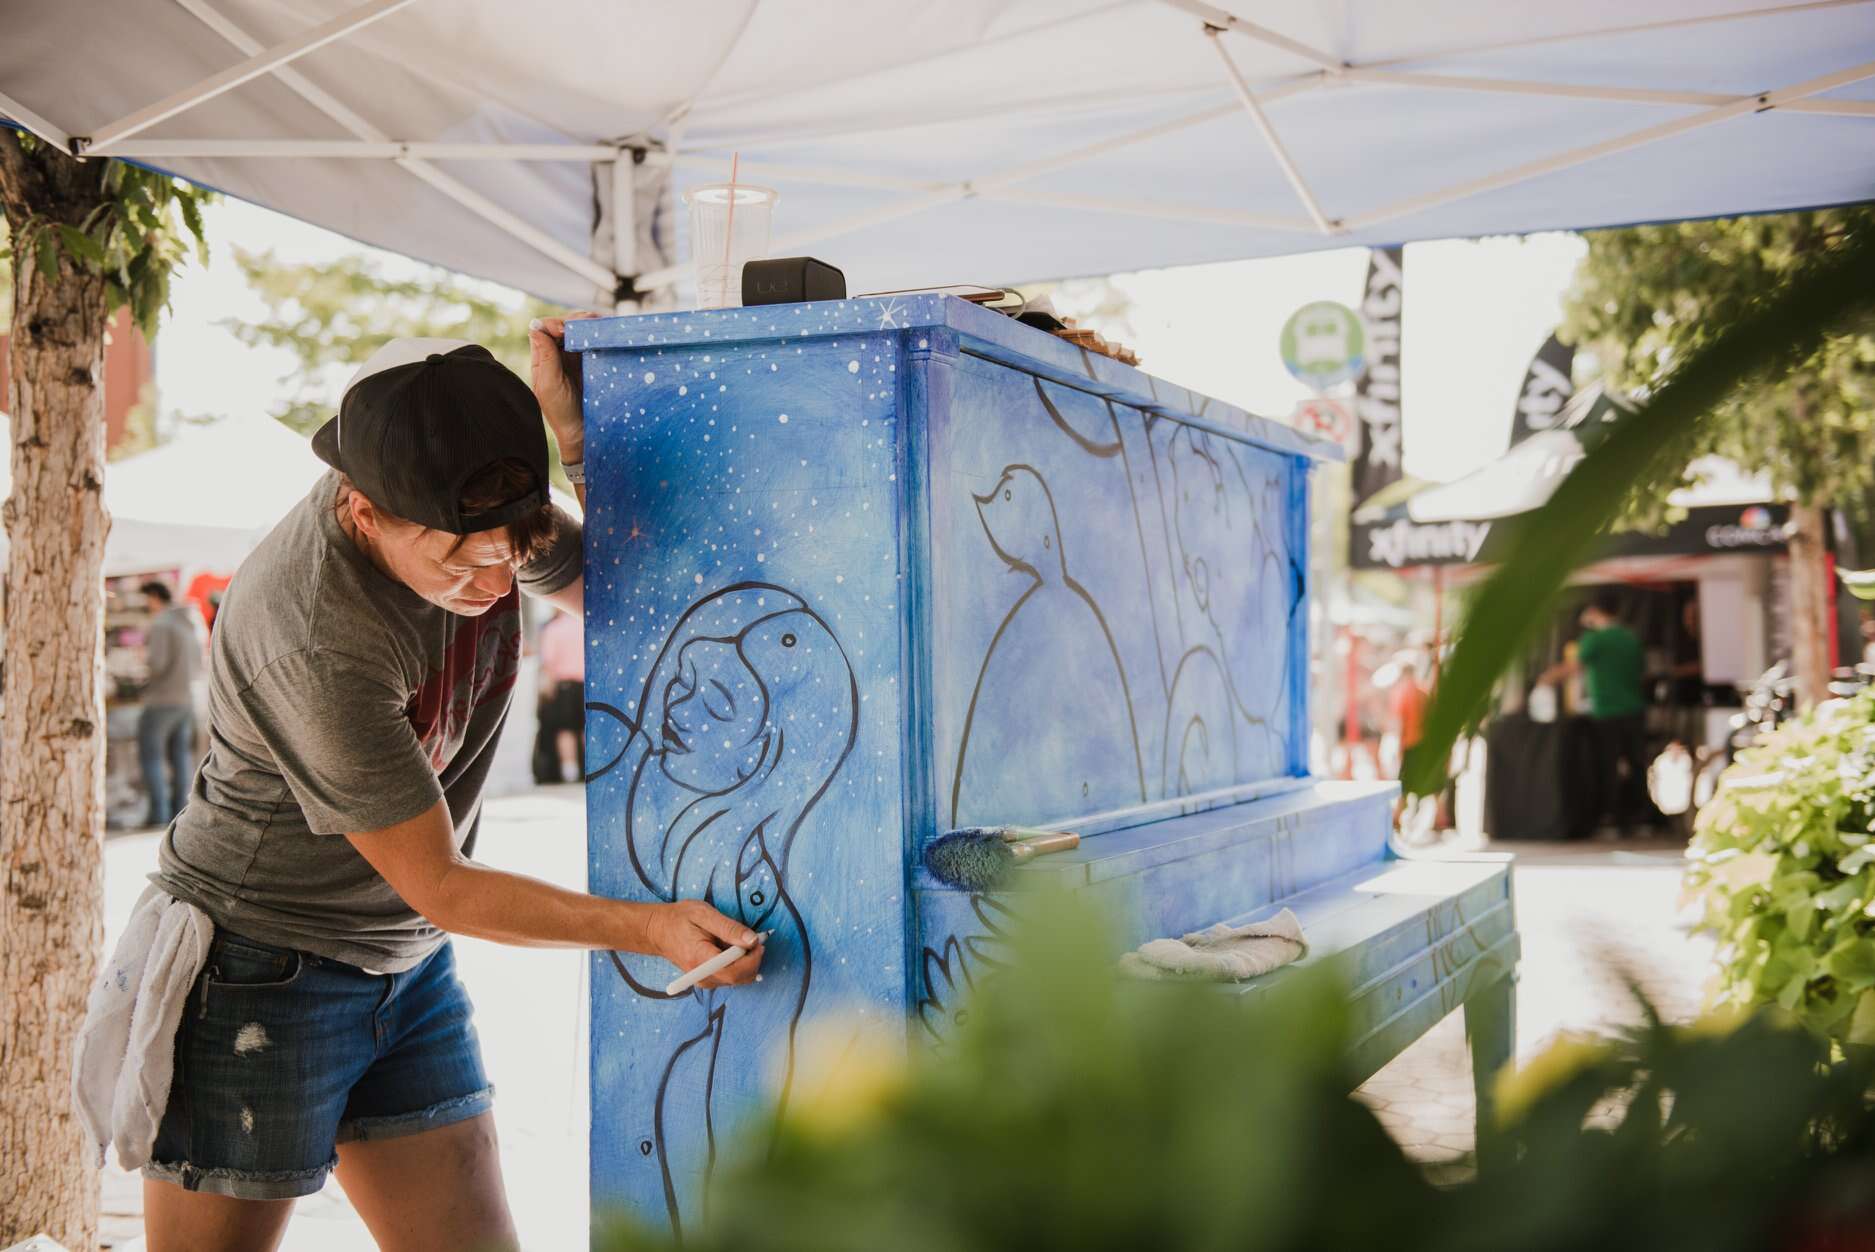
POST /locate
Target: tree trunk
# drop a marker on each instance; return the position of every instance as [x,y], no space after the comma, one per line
[52,717]
[1811,603]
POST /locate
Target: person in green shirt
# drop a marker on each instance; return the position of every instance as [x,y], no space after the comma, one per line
[1609,658]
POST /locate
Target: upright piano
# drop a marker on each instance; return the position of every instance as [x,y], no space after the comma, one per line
[859,572]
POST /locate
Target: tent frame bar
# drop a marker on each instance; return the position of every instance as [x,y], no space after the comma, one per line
[1248,99]
[1636,28]
[521,230]
[1222,19]
[263,61]
[1571,91]
[1759,103]
[358,149]
[11,108]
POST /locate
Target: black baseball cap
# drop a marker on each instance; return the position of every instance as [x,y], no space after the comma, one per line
[424,416]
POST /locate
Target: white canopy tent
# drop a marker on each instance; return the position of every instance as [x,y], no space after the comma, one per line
[202,500]
[963,141]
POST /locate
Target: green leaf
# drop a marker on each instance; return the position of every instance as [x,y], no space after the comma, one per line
[192,218]
[1852,963]
[46,255]
[1862,1025]
[81,247]
[1767,339]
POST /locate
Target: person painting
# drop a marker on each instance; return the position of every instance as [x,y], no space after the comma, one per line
[362,668]
[1610,660]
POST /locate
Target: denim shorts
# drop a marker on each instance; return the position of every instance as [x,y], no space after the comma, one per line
[282,1055]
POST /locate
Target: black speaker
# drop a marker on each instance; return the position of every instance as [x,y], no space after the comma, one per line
[791,280]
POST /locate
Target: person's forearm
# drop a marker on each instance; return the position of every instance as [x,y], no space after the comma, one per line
[486,903]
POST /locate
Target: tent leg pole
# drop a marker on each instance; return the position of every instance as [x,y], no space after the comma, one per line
[624,230]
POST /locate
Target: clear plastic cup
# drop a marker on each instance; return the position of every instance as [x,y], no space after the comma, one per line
[728,225]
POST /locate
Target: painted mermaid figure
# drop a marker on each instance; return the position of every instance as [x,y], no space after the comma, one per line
[745,719]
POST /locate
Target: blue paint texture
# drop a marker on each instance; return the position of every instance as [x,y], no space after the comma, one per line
[861,571]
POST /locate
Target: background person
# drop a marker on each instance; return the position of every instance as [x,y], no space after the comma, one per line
[1610,660]
[166,724]
[560,736]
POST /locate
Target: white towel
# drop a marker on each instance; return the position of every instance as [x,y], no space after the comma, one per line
[126,1051]
[1221,953]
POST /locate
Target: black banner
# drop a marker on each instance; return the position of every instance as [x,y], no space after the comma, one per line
[1377,394]
[1546,388]
[1710,531]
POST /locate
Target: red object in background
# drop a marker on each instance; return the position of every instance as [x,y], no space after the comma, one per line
[1351,731]
[204,592]
[129,364]
[1831,588]
[1406,706]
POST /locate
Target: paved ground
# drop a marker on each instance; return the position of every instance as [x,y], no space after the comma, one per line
[1587,912]
[1584,909]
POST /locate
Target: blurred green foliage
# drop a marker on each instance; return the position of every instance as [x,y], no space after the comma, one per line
[1645,297]
[333,317]
[1756,340]
[142,227]
[1074,1110]
[1783,865]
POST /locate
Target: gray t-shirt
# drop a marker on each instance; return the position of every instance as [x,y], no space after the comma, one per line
[175,656]
[339,701]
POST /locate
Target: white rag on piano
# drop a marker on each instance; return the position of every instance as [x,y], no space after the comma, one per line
[1222,953]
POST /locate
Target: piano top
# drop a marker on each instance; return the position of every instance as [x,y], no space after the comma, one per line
[976,331]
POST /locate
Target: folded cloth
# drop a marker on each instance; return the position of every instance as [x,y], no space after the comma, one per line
[1221,953]
[126,1052]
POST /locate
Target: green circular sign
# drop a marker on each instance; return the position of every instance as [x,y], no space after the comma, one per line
[1324,344]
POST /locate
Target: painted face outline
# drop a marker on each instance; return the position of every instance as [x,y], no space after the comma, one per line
[717,730]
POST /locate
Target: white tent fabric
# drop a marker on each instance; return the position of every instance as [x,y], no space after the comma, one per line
[203,499]
[965,141]
[206,497]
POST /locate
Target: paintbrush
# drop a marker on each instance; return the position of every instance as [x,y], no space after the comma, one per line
[976,858]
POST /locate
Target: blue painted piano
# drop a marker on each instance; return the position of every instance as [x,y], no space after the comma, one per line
[859,572]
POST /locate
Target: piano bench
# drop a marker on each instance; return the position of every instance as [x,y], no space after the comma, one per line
[1414,940]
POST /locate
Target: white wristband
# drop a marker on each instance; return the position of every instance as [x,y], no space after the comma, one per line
[575,472]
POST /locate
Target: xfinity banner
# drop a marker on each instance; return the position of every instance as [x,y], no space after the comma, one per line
[1377,394]
[1546,388]
[1402,544]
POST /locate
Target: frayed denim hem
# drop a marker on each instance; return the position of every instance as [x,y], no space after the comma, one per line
[242,1184]
[443,1113]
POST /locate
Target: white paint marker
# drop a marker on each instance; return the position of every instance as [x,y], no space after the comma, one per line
[721,961]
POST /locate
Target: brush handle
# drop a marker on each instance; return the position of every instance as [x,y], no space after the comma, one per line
[1027,849]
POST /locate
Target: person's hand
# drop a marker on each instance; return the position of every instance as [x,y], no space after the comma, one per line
[690,932]
[556,377]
